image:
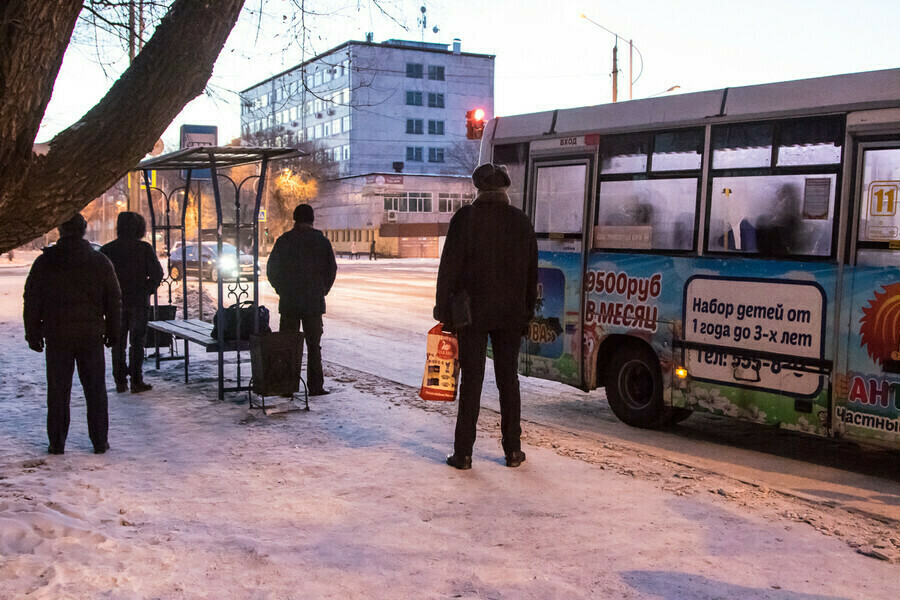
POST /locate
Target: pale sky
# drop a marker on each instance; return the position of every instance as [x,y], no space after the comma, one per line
[546,56]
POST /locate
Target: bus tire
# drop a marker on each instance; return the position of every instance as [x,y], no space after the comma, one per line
[634,387]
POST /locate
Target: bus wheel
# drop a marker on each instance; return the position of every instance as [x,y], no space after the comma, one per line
[174,273]
[634,387]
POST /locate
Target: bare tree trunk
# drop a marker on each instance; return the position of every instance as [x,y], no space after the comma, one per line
[39,192]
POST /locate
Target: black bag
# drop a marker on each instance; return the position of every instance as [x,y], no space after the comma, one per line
[460,310]
[228,318]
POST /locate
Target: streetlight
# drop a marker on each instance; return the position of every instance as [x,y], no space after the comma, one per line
[615,71]
[671,89]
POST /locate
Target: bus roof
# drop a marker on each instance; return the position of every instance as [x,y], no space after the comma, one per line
[833,94]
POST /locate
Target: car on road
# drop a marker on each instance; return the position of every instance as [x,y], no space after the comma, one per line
[208,263]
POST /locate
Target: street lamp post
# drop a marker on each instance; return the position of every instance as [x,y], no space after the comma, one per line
[615,70]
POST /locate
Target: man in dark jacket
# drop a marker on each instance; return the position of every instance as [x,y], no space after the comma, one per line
[73,303]
[302,269]
[139,274]
[491,255]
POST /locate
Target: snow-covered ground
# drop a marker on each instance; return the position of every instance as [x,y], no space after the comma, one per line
[205,499]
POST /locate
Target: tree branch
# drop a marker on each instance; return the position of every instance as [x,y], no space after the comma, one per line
[91,155]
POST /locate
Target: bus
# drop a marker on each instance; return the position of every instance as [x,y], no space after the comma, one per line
[735,252]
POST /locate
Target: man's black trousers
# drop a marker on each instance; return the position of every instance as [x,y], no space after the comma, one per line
[91,363]
[472,353]
[134,330]
[312,337]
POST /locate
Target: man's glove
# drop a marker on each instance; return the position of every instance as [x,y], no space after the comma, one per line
[110,340]
[36,344]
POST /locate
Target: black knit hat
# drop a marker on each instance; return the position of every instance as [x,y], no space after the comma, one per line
[304,214]
[490,177]
[76,226]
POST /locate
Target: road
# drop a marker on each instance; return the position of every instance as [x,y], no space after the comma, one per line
[379,312]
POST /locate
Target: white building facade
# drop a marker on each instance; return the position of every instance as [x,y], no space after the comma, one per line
[390,112]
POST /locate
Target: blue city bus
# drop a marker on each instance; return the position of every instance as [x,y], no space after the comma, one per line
[733,251]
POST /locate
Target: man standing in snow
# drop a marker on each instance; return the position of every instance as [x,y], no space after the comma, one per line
[73,304]
[490,255]
[139,274]
[302,269]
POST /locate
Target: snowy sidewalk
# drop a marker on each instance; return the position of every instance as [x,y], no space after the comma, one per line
[201,499]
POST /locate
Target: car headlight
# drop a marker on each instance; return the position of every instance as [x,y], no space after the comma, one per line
[228,263]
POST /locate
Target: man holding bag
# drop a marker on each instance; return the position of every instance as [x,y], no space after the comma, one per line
[489,259]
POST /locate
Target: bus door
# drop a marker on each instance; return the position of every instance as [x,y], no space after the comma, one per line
[559,193]
[867,393]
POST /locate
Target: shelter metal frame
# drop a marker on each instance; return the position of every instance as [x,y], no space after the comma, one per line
[213,158]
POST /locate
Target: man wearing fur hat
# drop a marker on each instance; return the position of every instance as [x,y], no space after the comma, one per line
[490,254]
[73,304]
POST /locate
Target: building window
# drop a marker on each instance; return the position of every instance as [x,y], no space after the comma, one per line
[345,149]
[414,154]
[345,123]
[449,203]
[317,132]
[345,96]
[326,129]
[419,201]
[414,98]
[395,202]
[408,202]
[309,134]
[435,100]
[435,72]
[436,127]
[436,155]
[414,126]
[414,70]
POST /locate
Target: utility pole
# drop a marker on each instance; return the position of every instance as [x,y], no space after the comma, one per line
[615,70]
[630,67]
[135,42]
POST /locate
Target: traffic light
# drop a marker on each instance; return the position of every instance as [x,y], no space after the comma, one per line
[474,124]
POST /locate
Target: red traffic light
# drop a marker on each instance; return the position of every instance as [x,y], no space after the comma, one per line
[475,124]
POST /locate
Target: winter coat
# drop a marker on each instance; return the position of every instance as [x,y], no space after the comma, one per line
[72,296]
[491,253]
[137,268]
[302,269]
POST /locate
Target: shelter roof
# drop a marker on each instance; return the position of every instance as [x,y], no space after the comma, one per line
[200,157]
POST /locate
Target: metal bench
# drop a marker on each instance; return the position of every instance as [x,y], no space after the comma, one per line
[200,333]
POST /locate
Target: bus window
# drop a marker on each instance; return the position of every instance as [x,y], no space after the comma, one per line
[772,215]
[810,142]
[624,154]
[879,219]
[560,199]
[678,150]
[742,146]
[655,214]
[641,204]
[515,157]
